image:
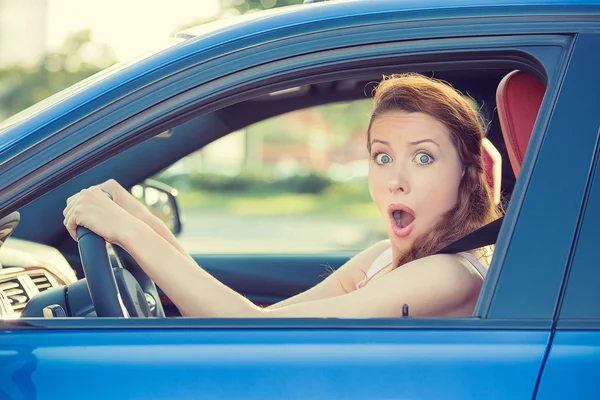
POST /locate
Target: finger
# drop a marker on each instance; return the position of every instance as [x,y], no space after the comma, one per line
[108,194]
[100,195]
[70,202]
[104,186]
[74,196]
[68,226]
[72,233]
[72,199]
[111,186]
[108,184]
[70,221]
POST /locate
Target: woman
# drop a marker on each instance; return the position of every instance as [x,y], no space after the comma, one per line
[425,176]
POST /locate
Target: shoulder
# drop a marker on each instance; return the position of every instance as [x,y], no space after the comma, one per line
[445,270]
[437,285]
[448,265]
[372,254]
[378,248]
[356,268]
[433,286]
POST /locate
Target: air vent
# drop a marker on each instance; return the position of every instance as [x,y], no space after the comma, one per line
[41,282]
[15,293]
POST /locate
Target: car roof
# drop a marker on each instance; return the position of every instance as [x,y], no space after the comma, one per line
[354,8]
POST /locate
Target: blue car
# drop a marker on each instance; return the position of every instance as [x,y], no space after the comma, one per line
[535,332]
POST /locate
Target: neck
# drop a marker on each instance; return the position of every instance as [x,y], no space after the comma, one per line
[396,253]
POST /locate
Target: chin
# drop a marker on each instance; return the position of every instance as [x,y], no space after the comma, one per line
[403,244]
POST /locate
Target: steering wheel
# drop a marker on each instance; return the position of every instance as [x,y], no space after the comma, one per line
[118,292]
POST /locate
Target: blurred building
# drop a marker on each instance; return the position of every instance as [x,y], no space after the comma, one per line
[22,31]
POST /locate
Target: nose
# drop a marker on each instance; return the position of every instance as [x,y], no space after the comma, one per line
[398,180]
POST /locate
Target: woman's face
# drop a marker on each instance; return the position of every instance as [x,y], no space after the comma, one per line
[414,173]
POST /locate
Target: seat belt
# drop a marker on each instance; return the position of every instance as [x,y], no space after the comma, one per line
[484,236]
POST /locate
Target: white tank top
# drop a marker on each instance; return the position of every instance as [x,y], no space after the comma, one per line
[385,259]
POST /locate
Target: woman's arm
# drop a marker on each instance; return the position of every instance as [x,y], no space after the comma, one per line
[496,158]
[435,285]
[134,207]
[341,281]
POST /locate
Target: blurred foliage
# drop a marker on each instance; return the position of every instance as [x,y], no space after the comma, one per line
[350,199]
[246,183]
[349,191]
[244,6]
[77,59]
[340,121]
[283,204]
[348,118]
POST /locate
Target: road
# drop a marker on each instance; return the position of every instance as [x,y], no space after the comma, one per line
[224,233]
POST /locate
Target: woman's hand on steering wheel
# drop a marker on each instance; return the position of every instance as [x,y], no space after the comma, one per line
[93,209]
[124,199]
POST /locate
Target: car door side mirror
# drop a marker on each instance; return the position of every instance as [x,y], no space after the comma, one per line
[161,200]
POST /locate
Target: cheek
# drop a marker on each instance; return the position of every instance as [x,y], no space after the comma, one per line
[440,193]
[377,185]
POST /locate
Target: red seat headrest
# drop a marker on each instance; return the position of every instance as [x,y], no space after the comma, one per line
[518,98]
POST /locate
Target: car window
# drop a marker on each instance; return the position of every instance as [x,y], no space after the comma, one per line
[295,183]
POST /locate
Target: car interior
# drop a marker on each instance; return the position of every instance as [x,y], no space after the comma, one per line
[41,266]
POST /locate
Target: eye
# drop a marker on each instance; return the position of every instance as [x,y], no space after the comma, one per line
[423,158]
[382,158]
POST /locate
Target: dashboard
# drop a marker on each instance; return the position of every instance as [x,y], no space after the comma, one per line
[26,269]
[36,280]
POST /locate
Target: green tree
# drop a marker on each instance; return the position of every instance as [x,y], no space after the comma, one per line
[78,58]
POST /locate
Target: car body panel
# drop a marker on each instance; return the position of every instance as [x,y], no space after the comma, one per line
[267,363]
[573,361]
[573,365]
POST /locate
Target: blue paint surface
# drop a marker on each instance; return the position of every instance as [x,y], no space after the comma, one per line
[257,363]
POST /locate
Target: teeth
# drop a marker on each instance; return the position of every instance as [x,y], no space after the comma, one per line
[397,218]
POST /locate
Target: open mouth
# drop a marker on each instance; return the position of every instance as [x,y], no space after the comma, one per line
[402,219]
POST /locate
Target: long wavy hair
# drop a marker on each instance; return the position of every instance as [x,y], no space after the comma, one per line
[475,208]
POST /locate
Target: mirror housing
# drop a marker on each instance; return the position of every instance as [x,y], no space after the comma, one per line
[161,200]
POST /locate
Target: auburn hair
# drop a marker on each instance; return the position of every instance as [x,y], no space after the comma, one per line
[475,207]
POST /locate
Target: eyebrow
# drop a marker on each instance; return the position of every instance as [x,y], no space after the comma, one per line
[423,141]
[410,143]
[380,141]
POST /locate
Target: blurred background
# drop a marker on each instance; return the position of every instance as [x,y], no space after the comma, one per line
[292,184]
